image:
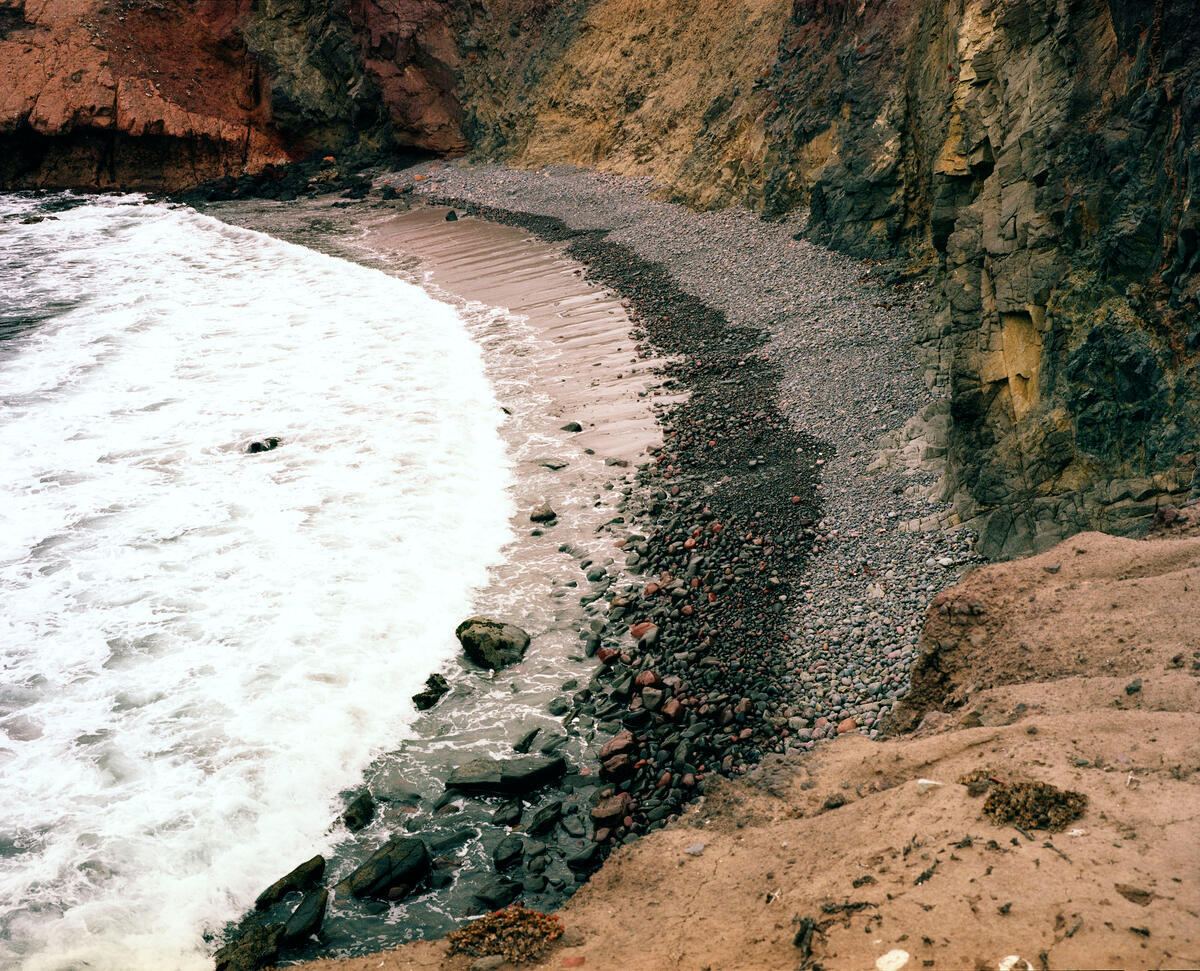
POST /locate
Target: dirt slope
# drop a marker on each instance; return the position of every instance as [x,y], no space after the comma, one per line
[1031,671]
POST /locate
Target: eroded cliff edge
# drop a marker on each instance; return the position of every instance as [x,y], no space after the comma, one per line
[167,94]
[1038,159]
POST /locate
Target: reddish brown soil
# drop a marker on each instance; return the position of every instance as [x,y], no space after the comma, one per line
[1036,680]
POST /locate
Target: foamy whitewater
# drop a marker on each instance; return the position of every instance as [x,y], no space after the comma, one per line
[200,648]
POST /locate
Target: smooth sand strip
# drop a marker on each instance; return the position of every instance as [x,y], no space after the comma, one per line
[585,358]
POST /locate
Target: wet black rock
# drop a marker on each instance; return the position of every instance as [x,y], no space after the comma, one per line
[508,852]
[257,948]
[544,819]
[507,776]
[509,813]
[525,742]
[392,872]
[451,216]
[492,644]
[435,687]
[265,445]
[497,893]
[360,812]
[306,919]
[307,874]
[572,426]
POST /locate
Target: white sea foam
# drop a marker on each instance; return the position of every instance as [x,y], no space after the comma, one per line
[201,647]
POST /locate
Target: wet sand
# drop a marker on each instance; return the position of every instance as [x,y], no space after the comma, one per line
[583,356]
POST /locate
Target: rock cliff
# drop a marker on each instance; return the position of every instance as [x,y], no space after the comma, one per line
[166,94]
[1037,158]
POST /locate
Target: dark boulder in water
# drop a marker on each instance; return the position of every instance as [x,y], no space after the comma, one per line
[512,777]
[257,948]
[497,893]
[307,874]
[265,445]
[451,216]
[392,872]
[492,644]
[508,852]
[360,812]
[435,687]
[306,919]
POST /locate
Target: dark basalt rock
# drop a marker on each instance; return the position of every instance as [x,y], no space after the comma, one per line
[508,852]
[306,919]
[435,687]
[307,874]
[545,818]
[266,445]
[490,643]
[360,812]
[497,893]
[255,949]
[392,872]
[507,776]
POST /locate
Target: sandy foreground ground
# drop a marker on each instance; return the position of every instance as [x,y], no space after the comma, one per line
[1080,668]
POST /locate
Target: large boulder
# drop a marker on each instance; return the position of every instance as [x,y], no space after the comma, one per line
[257,948]
[490,643]
[307,874]
[512,777]
[306,919]
[392,872]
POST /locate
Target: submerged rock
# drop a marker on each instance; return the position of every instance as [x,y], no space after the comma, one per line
[490,643]
[507,776]
[497,893]
[360,812]
[265,445]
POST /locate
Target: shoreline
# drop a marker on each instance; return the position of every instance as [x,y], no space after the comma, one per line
[730,508]
[723,529]
[803,858]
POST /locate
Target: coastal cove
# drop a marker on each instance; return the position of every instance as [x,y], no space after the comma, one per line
[747,499]
[611,484]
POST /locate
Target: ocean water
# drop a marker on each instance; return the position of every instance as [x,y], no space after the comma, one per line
[201,648]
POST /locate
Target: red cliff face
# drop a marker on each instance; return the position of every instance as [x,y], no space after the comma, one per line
[167,94]
[410,52]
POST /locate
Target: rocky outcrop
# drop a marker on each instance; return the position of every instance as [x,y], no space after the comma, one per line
[169,94]
[1037,158]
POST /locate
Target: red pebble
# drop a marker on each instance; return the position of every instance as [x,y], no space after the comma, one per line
[641,629]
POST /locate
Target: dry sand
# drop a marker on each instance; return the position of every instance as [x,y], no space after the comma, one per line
[1035,680]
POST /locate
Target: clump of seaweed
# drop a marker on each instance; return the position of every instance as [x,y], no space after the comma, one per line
[517,933]
[1032,805]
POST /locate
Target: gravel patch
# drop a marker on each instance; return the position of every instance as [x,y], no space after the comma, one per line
[842,331]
